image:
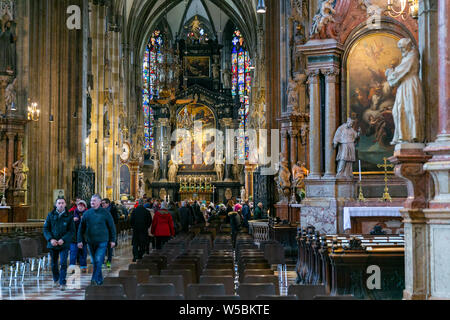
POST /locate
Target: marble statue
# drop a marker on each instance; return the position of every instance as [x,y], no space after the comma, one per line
[292,92]
[257,114]
[346,138]
[304,134]
[141,190]
[236,170]
[323,17]
[226,78]
[11,96]
[408,108]
[283,181]
[7,46]
[20,174]
[215,71]
[242,193]
[219,168]
[156,168]
[173,170]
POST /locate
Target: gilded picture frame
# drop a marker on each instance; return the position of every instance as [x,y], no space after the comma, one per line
[370,99]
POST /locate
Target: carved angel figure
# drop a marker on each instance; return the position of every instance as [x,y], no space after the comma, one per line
[323,17]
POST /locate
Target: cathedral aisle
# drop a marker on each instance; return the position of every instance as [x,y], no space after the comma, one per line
[42,288]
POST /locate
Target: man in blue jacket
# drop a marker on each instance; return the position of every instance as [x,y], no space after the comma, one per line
[98,230]
[59,229]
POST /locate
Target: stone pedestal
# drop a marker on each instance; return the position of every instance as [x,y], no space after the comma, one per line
[409,160]
[324,203]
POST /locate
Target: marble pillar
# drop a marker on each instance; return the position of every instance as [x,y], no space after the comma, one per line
[227,124]
[314,125]
[284,145]
[331,110]
[294,146]
[408,160]
[438,212]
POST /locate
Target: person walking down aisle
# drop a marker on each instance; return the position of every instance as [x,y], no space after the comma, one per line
[162,226]
[140,221]
[97,225]
[59,229]
[112,209]
[75,252]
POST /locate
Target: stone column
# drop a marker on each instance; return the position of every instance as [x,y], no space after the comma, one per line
[314,134]
[11,136]
[409,160]
[294,146]
[227,123]
[134,169]
[438,211]
[284,145]
[330,121]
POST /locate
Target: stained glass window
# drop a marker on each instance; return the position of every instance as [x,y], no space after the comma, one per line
[241,83]
[150,89]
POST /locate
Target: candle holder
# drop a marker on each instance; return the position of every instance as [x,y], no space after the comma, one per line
[361,195]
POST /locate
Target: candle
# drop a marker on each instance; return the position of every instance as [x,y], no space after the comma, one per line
[359,170]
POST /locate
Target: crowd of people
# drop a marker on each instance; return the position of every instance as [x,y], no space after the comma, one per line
[72,233]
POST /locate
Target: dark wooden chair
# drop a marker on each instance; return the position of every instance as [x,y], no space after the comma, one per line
[195,289]
[227,281]
[176,280]
[129,284]
[250,291]
[264,279]
[105,292]
[141,275]
[161,297]
[163,289]
[306,292]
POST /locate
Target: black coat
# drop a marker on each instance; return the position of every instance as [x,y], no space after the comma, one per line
[140,221]
[59,227]
[186,218]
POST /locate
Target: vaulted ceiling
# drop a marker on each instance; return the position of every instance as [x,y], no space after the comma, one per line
[143,16]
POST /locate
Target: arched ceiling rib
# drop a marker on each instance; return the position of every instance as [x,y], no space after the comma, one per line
[145,14]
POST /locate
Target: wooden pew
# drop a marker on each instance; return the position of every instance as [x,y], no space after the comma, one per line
[340,263]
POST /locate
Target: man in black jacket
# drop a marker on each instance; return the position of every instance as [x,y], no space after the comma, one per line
[140,221]
[59,229]
[186,217]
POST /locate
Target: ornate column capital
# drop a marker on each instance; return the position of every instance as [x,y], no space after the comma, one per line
[331,74]
[313,76]
[165,122]
[294,133]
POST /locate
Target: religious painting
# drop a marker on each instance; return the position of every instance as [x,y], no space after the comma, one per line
[125,180]
[197,121]
[370,98]
[197,67]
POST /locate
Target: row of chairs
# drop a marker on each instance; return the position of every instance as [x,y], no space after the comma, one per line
[23,255]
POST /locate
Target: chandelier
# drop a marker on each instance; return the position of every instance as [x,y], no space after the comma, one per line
[169,71]
[402,10]
[33,111]
[169,67]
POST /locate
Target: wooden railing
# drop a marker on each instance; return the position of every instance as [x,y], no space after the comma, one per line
[21,227]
